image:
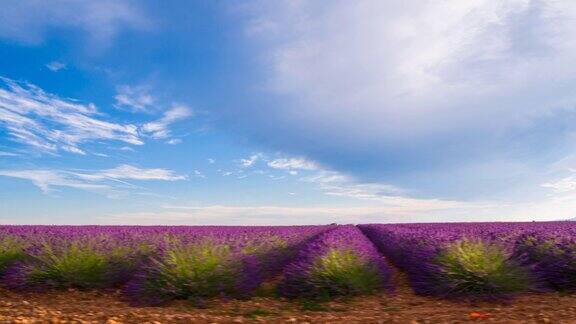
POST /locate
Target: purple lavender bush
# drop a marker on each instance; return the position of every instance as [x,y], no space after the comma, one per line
[552,255]
[455,260]
[340,262]
[89,257]
[79,263]
[12,250]
[194,271]
[216,264]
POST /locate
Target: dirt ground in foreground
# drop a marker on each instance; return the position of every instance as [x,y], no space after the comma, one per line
[401,307]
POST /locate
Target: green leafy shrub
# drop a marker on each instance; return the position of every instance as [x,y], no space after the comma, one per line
[79,264]
[192,272]
[11,251]
[343,272]
[479,269]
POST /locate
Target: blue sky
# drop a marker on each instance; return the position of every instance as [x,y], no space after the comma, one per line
[286,112]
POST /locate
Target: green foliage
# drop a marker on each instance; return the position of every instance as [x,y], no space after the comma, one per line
[77,265]
[198,270]
[265,245]
[11,250]
[477,268]
[343,272]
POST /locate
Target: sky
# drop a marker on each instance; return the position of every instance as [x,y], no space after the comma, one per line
[287,112]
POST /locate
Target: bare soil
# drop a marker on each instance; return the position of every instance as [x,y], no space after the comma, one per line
[401,307]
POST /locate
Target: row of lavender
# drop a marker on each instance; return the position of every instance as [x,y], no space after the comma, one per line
[156,264]
[153,265]
[339,262]
[481,260]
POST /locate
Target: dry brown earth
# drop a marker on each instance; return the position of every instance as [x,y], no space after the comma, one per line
[401,307]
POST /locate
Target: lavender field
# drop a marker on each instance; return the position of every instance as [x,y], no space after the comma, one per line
[153,265]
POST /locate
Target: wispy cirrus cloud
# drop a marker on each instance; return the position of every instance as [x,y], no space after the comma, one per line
[159,129]
[134,99]
[110,182]
[293,164]
[49,123]
[2,153]
[129,172]
[337,184]
[251,160]
[56,66]
[566,184]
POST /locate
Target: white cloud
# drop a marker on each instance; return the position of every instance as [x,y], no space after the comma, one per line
[135,99]
[72,149]
[393,210]
[159,129]
[127,149]
[100,20]
[56,66]
[337,184]
[563,185]
[45,180]
[211,161]
[198,174]
[129,172]
[293,164]
[564,174]
[386,83]
[110,182]
[49,123]
[251,160]
[2,153]
[174,141]
[273,215]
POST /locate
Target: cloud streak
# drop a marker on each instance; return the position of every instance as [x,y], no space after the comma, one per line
[159,129]
[109,182]
[134,99]
[51,124]
[272,215]
[55,66]
[293,164]
[36,118]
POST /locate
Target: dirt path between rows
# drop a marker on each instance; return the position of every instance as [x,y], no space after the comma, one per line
[400,307]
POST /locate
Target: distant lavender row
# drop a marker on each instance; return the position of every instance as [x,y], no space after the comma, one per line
[480,260]
[339,262]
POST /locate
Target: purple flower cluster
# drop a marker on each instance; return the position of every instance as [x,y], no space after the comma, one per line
[478,260]
[164,261]
[154,264]
[341,261]
[551,253]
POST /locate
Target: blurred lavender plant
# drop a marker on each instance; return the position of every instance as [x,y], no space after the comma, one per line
[470,261]
[340,262]
[552,256]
